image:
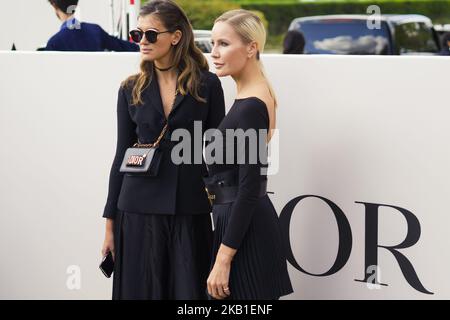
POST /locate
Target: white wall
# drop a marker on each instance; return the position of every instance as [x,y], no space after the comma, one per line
[366,129]
[30,23]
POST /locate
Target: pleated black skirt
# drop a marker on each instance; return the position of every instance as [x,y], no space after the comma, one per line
[161,256]
[259,268]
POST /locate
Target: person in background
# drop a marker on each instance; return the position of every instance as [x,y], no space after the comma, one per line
[294,42]
[81,36]
[445,51]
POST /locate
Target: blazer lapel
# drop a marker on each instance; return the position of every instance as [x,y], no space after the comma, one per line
[178,99]
[154,96]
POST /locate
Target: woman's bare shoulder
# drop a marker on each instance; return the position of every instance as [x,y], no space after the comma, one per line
[263,94]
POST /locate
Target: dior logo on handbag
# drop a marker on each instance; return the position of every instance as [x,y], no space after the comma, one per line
[136,160]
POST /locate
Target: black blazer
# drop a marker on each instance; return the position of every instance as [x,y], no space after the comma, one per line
[177,189]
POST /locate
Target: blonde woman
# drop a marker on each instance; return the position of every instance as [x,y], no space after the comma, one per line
[249,259]
[158,227]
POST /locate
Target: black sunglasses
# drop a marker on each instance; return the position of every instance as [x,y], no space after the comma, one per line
[151,35]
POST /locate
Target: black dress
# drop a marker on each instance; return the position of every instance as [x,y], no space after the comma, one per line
[250,223]
[161,257]
[162,224]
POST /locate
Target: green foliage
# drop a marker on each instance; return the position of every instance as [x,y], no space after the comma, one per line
[203,13]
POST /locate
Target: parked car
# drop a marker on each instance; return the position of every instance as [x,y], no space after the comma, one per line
[355,34]
[443,30]
[202,39]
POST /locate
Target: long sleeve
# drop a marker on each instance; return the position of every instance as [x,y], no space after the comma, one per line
[216,104]
[216,111]
[50,46]
[115,44]
[126,137]
[253,116]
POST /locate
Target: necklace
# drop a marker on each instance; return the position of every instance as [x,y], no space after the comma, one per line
[164,69]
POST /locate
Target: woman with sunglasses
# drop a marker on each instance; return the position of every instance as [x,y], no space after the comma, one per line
[158,227]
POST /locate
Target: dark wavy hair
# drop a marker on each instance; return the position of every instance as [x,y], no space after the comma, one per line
[294,42]
[189,60]
[64,5]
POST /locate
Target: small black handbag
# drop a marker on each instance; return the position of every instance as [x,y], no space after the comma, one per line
[143,159]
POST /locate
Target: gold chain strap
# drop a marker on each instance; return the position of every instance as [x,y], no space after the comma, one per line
[156,143]
[161,135]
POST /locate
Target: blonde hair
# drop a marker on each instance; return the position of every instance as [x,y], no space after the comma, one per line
[250,28]
[189,60]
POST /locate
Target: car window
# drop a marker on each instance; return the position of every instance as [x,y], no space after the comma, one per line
[204,45]
[414,37]
[344,36]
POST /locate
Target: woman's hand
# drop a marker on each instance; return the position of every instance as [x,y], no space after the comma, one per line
[220,274]
[108,244]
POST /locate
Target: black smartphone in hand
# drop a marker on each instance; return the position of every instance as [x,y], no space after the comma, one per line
[107,265]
